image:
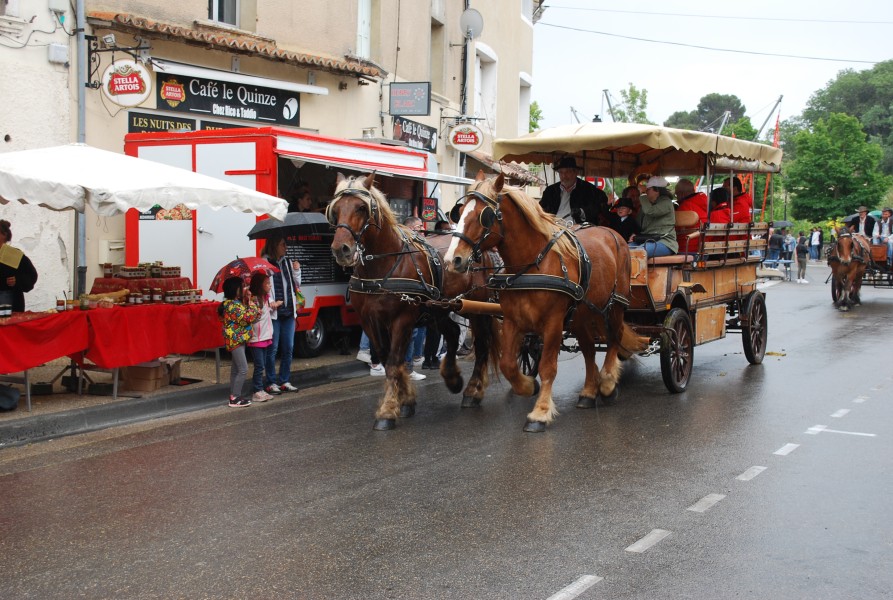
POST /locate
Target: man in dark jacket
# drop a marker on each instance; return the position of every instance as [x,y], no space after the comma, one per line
[573,198]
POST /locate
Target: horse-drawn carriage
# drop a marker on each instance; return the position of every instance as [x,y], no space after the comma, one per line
[855,262]
[554,281]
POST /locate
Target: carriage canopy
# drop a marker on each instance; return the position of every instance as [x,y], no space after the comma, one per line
[618,149]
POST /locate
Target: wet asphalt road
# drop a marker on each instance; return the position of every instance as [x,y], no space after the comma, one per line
[731,489]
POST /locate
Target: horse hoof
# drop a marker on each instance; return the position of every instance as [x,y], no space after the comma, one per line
[384,424]
[585,402]
[612,397]
[534,427]
[407,410]
[470,402]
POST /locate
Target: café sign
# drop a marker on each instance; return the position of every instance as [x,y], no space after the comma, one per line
[466,137]
[213,98]
[126,83]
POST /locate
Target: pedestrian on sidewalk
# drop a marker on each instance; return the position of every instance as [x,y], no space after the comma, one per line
[238,314]
[802,253]
[286,289]
[261,342]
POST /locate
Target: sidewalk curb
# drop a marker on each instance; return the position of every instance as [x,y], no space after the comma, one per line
[134,410]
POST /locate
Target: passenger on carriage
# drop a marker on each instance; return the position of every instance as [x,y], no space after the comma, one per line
[632,194]
[689,199]
[574,198]
[719,206]
[883,232]
[622,220]
[742,203]
[657,219]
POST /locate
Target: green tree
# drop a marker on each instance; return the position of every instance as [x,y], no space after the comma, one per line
[709,114]
[633,107]
[536,115]
[683,120]
[866,95]
[742,129]
[836,170]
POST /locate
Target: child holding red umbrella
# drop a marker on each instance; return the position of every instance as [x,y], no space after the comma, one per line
[238,313]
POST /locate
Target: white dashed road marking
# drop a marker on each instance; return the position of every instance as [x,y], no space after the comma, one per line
[576,588]
[648,541]
[786,449]
[860,399]
[817,429]
[706,503]
[750,473]
[840,413]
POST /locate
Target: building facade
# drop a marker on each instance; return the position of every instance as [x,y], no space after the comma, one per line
[322,66]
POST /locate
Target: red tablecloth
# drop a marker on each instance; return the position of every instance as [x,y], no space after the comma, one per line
[31,343]
[127,335]
[102,285]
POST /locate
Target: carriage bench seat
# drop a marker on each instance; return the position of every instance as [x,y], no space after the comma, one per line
[673,259]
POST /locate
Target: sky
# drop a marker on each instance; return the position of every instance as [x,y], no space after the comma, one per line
[572,64]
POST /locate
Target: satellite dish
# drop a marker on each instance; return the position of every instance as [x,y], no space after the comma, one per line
[472,23]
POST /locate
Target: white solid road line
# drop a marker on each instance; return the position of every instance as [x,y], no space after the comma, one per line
[840,413]
[648,541]
[706,503]
[750,473]
[817,429]
[576,588]
[860,399]
[786,449]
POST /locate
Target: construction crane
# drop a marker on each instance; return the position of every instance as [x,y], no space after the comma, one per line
[607,95]
[577,116]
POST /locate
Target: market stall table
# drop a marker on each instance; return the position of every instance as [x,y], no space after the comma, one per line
[32,339]
[103,285]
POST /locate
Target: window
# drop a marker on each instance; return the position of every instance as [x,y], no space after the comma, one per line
[436,59]
[485,85]
[364,28]
[224,11]
[9,8]
[524,103]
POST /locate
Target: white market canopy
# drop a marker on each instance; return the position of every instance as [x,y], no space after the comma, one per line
[619,149]
[76,176]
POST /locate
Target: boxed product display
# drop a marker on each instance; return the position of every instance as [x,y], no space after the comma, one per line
[146,377]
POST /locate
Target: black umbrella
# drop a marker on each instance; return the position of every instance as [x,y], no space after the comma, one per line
[295,223]
[782,224]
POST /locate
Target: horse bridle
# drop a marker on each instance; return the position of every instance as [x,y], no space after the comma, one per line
[488,217]
[857,253]
[373,220]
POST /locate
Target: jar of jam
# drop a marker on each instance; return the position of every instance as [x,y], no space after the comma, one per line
[85,303]
[156,295]
[61,305]
[137,297]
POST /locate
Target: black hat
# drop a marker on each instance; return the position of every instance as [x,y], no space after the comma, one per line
[567,162]
[624,202]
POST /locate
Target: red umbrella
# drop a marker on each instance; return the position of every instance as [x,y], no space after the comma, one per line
[244,268]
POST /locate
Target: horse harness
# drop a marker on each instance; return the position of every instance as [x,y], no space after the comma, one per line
[410,289]
[858,252]
[490,215]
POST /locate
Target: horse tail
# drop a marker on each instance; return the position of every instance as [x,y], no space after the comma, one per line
[630,342]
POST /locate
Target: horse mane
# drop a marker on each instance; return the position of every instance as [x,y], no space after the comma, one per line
[388,218]
[540,220]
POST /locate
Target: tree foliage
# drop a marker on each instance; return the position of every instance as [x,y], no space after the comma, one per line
[866,95]
[536,115]
[709,113]
[836,170]
[633,107]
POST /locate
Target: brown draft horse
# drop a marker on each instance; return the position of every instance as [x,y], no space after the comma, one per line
[395,271]
[550,286]
[848,260]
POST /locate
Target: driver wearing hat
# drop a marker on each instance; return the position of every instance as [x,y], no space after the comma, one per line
[864,225]
[574,198]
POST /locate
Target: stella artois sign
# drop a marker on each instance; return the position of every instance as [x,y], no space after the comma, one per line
[126,83]
[173,92]
[466,137]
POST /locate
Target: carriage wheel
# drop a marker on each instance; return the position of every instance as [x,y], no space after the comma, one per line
[677,351]
[530,355]
[755,333]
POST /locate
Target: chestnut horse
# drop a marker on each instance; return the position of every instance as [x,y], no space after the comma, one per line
[395,272]
[848,260]
[555,280]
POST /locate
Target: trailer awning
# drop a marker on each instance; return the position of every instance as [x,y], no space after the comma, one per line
[387,170]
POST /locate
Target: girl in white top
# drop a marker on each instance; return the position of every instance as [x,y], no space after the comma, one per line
[261,343]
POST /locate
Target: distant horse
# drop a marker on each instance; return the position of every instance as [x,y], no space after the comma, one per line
[554,280]
[395,272]
[848,260]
